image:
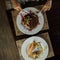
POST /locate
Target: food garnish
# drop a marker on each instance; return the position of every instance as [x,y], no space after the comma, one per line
[30,21]
[34,50]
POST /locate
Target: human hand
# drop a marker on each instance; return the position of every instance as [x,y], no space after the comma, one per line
[47,6]
[17,6]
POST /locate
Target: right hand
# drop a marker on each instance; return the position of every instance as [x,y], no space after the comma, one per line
[17,6]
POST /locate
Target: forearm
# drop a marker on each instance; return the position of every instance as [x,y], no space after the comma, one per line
[14,2]
[49,0]
[16,5]
[49,3]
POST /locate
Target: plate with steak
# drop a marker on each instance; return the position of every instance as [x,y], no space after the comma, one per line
[30,22]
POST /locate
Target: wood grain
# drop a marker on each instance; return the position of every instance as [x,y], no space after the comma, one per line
[8,49]
[44,36]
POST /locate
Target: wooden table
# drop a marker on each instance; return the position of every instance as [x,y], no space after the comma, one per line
[8,49]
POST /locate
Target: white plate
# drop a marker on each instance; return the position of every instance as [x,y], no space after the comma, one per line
[23,29]
[37,39]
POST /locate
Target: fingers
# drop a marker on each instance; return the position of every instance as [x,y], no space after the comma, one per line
[18,8]
[43,9]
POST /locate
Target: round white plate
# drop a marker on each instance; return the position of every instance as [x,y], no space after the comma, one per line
[37,39]
[22,28]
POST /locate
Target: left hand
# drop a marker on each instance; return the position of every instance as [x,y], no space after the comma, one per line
[47,6]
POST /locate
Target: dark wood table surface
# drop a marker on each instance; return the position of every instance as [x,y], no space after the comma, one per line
[8,49]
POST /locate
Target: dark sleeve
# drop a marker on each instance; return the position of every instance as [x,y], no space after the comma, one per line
[33,3]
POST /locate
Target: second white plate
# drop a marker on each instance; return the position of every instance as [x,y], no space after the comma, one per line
[37,39]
